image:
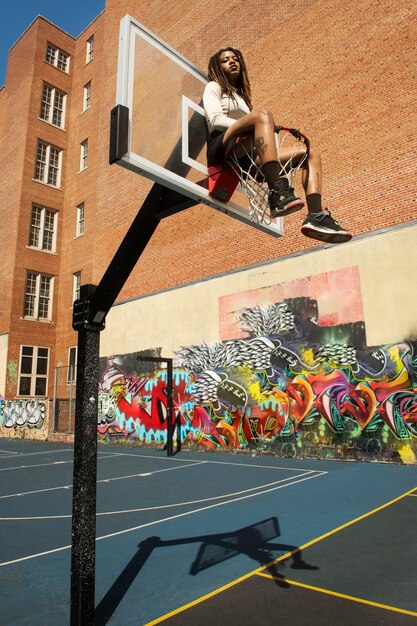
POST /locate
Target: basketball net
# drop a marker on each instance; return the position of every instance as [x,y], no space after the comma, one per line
[251,177]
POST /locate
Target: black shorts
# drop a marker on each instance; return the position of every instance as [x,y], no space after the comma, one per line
[215,149]
[216,152]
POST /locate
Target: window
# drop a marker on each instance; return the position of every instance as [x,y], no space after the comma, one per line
[43,226]
[53,105]
[87,96]
[33,371]
[57,57]
[48,164]
[38,296]
[90,50]
[72,365]
[76,284]
[84,155]
[79,229]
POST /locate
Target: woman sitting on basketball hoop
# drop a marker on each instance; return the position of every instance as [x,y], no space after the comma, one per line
[229,113]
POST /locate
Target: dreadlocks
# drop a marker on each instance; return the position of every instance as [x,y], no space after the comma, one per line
[215,72]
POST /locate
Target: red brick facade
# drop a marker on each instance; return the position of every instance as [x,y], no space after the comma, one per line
[344,74]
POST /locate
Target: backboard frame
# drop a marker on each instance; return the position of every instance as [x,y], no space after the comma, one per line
[198,191]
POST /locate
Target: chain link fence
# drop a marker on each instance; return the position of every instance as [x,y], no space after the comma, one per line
[63,403]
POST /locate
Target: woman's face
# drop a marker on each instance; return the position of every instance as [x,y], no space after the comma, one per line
[231,66]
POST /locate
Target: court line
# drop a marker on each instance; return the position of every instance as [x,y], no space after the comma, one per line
[18,467]
[290,469]
[10,469]
[261,569]
[167,469]
[102,480]
[166,519]
[8,452]
[45,452]
[190,463]
[340,595]
[162,506]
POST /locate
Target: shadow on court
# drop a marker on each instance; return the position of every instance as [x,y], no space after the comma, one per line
[253,541]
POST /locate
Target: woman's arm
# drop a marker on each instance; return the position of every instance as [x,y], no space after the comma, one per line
[212,103]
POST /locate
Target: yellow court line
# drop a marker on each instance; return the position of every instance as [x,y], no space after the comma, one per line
[340,595]
[203,598]
[280,558]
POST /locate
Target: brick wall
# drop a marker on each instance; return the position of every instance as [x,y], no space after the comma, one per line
[340,74]
[21,129]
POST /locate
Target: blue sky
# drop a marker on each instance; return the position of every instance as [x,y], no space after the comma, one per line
[16,15]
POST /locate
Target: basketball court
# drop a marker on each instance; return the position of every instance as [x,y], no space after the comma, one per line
[253,539]
[179,538]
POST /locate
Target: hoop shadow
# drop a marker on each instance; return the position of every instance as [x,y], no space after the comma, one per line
[253,541]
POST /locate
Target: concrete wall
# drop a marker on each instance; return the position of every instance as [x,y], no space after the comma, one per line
[312,355]
[4,339]
[385,297]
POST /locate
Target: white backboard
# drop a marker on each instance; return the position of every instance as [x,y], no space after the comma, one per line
[167,133]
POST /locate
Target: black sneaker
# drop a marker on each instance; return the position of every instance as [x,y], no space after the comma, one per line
[283,202]
[323,227]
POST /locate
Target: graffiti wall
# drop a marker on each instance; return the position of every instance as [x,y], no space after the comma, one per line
[23,418]
[287,385]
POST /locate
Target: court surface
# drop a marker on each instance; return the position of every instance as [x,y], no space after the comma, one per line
[202,537]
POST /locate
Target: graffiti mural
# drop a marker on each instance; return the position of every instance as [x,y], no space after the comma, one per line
[18,414]
[286,386]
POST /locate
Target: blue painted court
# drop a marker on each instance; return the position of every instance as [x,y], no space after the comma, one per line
[202,536]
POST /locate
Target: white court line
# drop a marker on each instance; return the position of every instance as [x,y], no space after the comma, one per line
[45,452]
[8,452]
[170,458]
[161,506]
[161,521]
[102,480]
[167,469]
[29,493]
[17,467]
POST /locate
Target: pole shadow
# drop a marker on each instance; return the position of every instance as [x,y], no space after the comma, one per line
[253,541]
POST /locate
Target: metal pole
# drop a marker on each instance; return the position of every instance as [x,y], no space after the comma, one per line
[170,425]
[71,377]
[54,403]
[85,476]
[89,315]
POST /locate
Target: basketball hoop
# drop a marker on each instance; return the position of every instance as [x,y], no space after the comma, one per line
[252,180]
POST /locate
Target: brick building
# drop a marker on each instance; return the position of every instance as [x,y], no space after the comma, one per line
[346,79]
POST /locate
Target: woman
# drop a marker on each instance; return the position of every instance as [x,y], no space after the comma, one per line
[229,112]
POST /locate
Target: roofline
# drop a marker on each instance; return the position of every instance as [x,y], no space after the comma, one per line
[55,26]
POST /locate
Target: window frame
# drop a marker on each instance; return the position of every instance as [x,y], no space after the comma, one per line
[87,96]
[45,167]
[55,56]
[34,376]
[72,365]
[76,284]
[34,300]
[52,107]
[84,155]
[42,228]
[80,223]
[89,52]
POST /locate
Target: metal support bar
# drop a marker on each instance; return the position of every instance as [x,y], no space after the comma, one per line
[89,315]
[84,484]
[170,399]
[170,416]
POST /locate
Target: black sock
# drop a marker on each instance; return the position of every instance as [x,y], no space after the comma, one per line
[314,203]
[275,180]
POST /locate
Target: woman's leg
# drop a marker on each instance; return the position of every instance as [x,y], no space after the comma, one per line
[282,200]
[262,124]
[311,174]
